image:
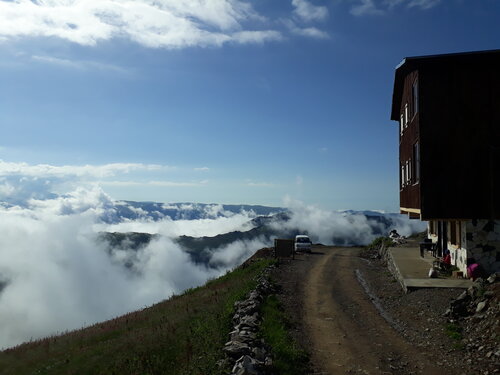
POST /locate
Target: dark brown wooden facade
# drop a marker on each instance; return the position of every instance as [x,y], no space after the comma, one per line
[450,138]
[409,131]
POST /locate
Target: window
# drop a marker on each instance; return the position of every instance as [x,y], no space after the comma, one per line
[410,172]
[406,115]
[402,177]
[416,163]
[407,172]
[414,96]
[459,233]
[455,233]
[401,125]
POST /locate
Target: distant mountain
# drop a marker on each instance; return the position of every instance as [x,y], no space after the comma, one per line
[130,210]
[130,240]
[200,249]
[367,212]
[264,228]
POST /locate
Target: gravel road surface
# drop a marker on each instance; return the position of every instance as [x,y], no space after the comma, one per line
[338,303]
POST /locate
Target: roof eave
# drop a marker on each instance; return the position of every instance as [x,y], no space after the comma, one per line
[397,91]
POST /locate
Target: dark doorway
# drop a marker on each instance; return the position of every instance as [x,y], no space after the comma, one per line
[442,238]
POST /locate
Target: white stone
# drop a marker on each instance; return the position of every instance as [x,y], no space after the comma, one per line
[480,306]
[432,273]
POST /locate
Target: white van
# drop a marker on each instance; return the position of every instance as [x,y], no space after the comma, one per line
[302,243]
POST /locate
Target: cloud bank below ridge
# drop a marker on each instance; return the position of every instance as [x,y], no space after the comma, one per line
[55,275]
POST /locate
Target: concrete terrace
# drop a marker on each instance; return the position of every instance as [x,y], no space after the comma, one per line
[413,271]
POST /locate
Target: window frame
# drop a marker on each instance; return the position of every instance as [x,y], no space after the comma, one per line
[407,180]
[402,176]
[414,97]
[416,162]
[407,119]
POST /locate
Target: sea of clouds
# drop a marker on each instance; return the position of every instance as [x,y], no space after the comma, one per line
[55,275]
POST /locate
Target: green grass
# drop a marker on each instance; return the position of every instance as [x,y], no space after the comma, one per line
[379,241]
[288,358]
[183,335]
[454,331]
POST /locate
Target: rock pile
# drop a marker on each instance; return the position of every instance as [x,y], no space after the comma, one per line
[474,300]
[477,311]
[245,352]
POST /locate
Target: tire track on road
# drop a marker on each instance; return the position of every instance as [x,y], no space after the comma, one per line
[347,333]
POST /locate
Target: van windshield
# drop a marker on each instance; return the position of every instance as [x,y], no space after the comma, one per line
[303,240]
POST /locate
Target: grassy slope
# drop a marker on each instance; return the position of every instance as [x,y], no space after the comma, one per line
[183,335]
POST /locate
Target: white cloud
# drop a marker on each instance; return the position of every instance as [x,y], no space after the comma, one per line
[97,171]
[20,182]
[59,277]
[311,32]
[173,228]
[245,37]
[367,7]
[82,200]
[202,169]
[153,183]
[371,7]
[341,228]
[76,64]
[423,4]
[7,189]
[237,252]
[151,23]
[308,12]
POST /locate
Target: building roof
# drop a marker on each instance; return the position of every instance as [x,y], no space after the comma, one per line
[412,63]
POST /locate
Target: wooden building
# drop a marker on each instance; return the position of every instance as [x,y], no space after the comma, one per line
[448,110]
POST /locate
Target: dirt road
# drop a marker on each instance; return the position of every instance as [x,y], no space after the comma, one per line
[347,333]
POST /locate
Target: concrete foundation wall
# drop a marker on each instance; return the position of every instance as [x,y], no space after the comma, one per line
[483,243]
[479,243]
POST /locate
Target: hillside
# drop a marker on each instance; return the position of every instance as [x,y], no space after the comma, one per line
[183,335]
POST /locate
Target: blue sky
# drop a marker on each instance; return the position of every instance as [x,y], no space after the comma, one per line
[221,101]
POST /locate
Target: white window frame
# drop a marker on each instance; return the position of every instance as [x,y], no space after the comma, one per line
[402,176]
[410,171]
[406,115]
[414,94]
[416,152]
[407,172]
